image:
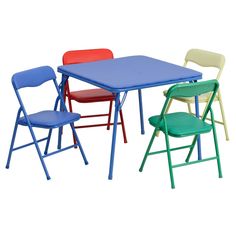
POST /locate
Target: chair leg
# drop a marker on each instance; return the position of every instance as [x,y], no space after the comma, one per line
[109,116]
[169,158]
[191,149]
[78,143]
[74,140]
[223,118]
[48,141]
[123,126]
[39,153]
[216,146]
[12,144]
[147,151]
[189,108]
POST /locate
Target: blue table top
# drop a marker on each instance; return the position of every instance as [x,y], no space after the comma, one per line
[129,73]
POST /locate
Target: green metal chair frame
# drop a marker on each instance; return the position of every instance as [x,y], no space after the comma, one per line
[182,124]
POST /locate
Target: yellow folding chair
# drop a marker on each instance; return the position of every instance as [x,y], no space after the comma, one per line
[205,59]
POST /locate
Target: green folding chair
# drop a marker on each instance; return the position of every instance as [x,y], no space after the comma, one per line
[182,124]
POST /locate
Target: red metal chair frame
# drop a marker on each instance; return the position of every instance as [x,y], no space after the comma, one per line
[91,95]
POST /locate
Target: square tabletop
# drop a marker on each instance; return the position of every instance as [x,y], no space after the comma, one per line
[129,73]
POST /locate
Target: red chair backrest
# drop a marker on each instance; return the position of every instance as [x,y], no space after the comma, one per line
[89,55]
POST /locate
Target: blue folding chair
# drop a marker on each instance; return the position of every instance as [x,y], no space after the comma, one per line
[47,119]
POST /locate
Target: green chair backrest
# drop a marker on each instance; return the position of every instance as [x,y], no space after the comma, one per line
[192,90]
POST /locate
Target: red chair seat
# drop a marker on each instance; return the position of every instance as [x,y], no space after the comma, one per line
[92,95]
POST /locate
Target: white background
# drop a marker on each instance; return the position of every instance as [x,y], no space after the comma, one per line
[79,200]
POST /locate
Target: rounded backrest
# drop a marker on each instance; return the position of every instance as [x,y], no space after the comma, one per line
[89,55]
[33,77]
[192,89]
[205,58]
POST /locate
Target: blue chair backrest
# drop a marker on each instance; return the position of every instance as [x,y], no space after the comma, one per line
[33,77]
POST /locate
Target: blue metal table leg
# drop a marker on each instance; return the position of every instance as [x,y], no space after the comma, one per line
[199,138]
[141,111]
[63,80]
[113,144]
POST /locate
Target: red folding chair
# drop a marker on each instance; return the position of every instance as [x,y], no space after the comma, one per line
[91,95]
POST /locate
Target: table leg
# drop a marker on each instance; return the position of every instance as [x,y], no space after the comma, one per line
[113,144]
[199,138]
[62,87]
[141,111]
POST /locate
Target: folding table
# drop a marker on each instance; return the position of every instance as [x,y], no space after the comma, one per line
[124,74]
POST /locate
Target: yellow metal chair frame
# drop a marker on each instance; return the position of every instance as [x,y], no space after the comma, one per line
[205,59]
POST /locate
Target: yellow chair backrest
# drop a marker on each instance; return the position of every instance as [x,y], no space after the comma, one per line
[206,59]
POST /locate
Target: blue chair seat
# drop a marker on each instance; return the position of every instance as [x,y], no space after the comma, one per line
[50,119]
[181,124]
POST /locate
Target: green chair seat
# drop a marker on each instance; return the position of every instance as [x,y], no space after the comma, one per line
[181,124]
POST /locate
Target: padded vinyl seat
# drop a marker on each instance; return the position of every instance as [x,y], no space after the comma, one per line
[50,119]
[181,124]
[92,95]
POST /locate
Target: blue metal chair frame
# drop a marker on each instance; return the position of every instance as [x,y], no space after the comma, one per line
[33,78]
